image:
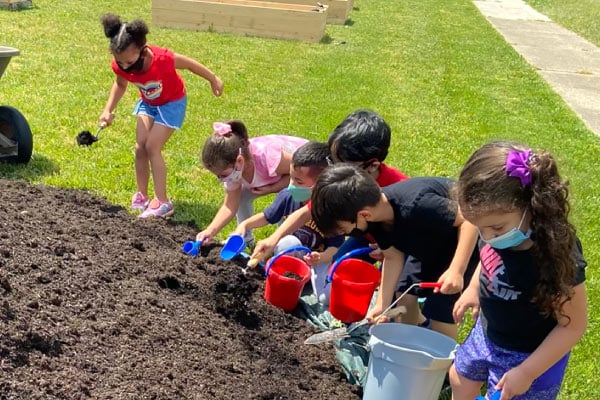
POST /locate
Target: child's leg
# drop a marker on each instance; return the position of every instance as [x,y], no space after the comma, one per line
[245,211]
[438,308]
[160,122]
[411,274]
[448,329]
[287,242]
[142,166]
[319,282]
[413,313]
[463,388]
[159,134]
[471,366]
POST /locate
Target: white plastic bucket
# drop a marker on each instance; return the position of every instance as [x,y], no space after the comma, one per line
[407,363]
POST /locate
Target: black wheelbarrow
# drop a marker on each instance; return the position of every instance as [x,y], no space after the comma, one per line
[16,141]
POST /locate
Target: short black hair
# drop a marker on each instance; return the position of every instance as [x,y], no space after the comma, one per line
[341,191]
[313,155]
[361,136]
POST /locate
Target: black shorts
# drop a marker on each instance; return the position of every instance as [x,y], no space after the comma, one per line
[437,306]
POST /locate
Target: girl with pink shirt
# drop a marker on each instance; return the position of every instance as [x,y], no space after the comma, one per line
[248,168]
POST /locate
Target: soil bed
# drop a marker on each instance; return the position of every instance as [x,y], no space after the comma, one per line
[97,304]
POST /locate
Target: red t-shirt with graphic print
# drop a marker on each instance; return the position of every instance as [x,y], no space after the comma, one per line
[161,83]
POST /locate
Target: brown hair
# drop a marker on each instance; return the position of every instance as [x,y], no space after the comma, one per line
[221,150]
[485,187]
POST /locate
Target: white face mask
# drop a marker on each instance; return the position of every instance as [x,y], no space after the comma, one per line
[234,176]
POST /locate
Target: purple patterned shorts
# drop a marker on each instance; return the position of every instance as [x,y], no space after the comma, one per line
[480,360]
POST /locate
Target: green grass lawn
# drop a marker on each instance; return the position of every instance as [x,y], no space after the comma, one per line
[580,16]
[441,76]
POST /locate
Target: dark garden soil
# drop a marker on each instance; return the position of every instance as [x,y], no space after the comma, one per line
[97,304]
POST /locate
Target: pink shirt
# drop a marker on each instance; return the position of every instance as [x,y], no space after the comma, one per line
[266,152]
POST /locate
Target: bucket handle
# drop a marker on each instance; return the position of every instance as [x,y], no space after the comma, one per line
[275,257]
[350,254]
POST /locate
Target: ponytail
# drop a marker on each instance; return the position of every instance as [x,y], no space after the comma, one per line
[229,139]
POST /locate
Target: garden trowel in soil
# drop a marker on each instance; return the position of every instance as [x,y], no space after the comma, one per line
[341,333]
[390,312]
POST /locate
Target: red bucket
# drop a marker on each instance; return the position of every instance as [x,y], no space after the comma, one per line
[286,277]
[353,282]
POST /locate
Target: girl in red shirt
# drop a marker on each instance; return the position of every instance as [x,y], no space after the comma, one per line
[161,106]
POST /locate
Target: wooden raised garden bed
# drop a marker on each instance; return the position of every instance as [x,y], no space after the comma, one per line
[337,10]
[245,17]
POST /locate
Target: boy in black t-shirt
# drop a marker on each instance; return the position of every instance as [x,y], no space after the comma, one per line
[414,217]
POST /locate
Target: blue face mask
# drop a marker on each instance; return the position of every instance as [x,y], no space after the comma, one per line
[299,193]
[512,238]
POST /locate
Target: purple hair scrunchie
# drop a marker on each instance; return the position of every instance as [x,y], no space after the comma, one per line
[517,166]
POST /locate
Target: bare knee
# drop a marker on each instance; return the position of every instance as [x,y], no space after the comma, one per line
[152,149]
[463,388]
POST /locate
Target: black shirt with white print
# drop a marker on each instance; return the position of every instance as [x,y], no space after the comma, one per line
[506,287]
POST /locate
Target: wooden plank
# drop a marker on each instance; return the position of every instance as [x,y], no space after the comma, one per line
[337,10]
[246,17]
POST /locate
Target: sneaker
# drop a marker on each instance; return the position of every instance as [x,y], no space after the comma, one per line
[139,201]
[157,209]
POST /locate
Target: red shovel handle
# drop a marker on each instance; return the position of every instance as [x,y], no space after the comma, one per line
[430,285]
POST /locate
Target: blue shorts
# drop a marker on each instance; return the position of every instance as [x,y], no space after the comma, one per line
[170,114]
[480,360]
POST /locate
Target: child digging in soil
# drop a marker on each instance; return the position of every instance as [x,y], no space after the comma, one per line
[160,109]
[308,161]
[248,167]
[362,138]
[528,294]
[414,217]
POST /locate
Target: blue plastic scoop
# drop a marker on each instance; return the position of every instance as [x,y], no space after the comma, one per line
[495,396]
[234,245]
[191,247]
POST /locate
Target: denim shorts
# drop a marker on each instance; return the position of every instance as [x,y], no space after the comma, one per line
[480,360]
[170,114]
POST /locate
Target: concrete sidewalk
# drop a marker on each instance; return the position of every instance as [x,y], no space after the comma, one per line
[569,63]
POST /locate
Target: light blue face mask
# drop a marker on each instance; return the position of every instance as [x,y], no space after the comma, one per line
[512,238]
[299,193]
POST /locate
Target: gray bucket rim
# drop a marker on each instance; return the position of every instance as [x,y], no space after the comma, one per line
[452,345]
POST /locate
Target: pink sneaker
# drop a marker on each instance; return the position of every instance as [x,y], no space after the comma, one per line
[139,201]
[157,209]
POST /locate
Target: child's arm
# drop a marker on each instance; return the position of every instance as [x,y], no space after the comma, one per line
[273,187]
[116,92]
[183,62]
[468,299]
[223,216]
[452,279]
[283,170]
[293,222]
[256,221]
[315,257]
[392,265]
[559,342]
